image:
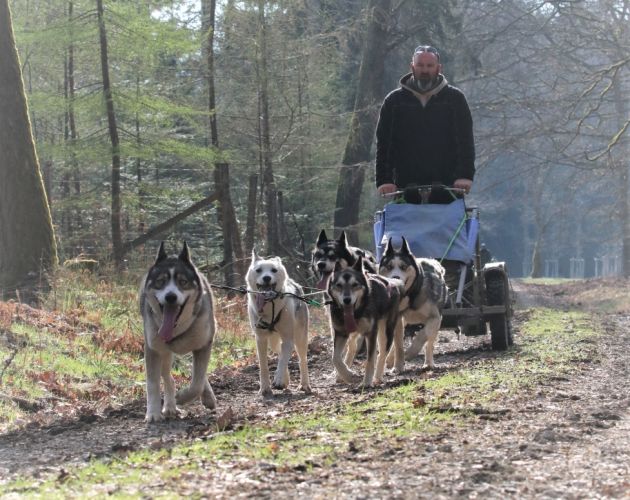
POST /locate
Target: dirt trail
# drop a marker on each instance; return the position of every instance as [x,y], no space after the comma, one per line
[567,439]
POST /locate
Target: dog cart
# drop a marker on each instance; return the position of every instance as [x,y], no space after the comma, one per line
[479,296]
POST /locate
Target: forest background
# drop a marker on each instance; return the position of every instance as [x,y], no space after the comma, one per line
[238,123]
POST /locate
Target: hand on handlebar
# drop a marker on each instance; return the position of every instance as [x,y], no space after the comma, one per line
[384,189]
[463,184]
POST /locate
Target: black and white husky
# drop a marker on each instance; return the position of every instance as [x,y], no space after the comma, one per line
[177,310]
[330,255]
[364,304]
[279,317]
[424,297]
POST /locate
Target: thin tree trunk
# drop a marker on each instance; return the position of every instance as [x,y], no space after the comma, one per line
[537,189]
[250,230]
[361,134]
[72,177]
[233,248]
[222,186]
[268,185]
[142,194]
[208,24]
[117,246]
[27,242]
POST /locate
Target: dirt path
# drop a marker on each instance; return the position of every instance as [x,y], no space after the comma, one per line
[567,439]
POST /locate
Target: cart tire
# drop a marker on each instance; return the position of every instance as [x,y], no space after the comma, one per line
[500,324]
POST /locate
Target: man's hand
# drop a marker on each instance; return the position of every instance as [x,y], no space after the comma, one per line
[465,184]
[386,189]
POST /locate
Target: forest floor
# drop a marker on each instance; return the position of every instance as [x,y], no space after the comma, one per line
[566,436]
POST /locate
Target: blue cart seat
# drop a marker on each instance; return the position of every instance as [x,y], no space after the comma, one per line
[437,231]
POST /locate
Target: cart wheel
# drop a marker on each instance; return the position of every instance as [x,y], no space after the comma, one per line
[500,325]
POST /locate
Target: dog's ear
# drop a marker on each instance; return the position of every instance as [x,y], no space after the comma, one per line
[358,265]
[389,249]
[322,238]
[254,254]
[343,240]
[404,249]
[184,255]
[161,255]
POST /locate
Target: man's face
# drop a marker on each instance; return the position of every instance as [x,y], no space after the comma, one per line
[425,68]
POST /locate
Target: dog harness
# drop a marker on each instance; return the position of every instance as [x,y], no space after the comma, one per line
[270,325]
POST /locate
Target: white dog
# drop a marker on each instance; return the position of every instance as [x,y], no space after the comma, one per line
[278,316]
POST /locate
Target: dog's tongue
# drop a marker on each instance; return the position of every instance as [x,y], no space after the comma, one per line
[260,301]
[348,319]
[322,284]
[168,322]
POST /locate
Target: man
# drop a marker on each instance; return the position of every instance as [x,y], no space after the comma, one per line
[425,133]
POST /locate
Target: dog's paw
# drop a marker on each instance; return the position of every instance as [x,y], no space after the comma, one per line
[279,385]
[364,387]
[398,369]
[305,388]
[208,400]
[350,378]
[152,417]
[170,411]
[427,368]
[265,392]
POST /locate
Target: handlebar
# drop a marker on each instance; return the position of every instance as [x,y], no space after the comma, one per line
[426,189]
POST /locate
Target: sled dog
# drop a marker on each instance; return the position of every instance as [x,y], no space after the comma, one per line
[177,310]
[368,305]
[277,316]
[424,297]
[329,255]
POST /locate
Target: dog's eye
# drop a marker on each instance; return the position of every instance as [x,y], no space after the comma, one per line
[403,267]
[160,282]
[274,270]
[183,281]
[259,270]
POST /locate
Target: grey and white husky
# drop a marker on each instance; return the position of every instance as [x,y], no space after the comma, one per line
[278,319]
[331,255]
[364,304]
[177,309]
[424,297]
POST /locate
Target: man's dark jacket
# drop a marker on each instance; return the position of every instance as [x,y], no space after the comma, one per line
[418,144]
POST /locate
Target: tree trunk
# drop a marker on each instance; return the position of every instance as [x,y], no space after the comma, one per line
[268,185]
[117,246]
[221,186]
[361,134]
[208,8]
[27,242]
[537,188]
[250,230]
[232,247]
[71,176]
